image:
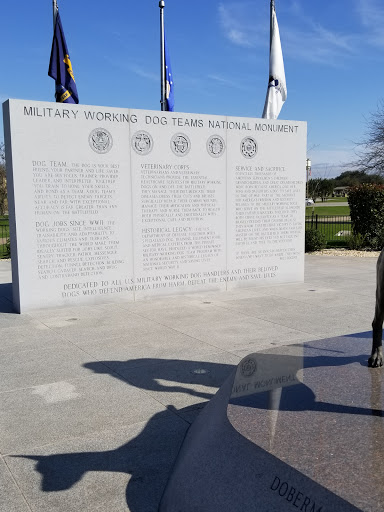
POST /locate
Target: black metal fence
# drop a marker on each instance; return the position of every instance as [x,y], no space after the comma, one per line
[336,228]
[4,239]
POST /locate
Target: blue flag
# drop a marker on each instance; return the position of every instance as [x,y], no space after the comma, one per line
[60,67]
[168,80]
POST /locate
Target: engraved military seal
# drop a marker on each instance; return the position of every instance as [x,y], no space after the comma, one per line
[215,146]
[180,144]
[100,140]
[142,142]
[248,367]
[248,147]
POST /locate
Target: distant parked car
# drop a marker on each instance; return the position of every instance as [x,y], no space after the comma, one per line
[309,202]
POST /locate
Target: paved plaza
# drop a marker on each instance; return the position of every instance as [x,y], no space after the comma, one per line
[95,400]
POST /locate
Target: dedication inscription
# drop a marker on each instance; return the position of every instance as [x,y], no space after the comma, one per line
[114,204]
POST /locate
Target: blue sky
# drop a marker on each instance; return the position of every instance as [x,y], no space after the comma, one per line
[333,54]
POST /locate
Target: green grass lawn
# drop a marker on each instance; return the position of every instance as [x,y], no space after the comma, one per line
[337,200]
[327,210]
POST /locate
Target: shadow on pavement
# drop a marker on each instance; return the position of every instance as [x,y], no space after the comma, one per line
[150,456]
[6,300]
[148,374]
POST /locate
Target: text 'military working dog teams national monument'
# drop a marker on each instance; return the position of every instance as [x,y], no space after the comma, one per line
[111,204]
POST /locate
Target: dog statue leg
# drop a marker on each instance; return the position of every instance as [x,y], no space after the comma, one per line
[376,359]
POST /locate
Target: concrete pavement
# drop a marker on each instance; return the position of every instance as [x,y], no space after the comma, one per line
[95,400]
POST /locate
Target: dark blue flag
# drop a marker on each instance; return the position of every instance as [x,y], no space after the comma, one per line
[60,67]
[168,80]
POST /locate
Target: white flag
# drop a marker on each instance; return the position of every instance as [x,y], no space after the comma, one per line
[277,89]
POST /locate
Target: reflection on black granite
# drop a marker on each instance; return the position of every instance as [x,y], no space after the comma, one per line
[326,423]
[300,397]
[376,393]
[318,361]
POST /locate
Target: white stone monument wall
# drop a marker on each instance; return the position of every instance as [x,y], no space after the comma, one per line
[111,204]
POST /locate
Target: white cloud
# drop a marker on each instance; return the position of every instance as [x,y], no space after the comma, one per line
[143,73]
[228,83]
[133,68]
[238,22]
[330,162]
[246,24]
[317,45]
[371,13]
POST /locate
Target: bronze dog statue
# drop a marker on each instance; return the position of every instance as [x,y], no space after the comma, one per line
[376,359]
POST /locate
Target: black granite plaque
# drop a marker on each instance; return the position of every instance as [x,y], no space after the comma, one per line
[294,428]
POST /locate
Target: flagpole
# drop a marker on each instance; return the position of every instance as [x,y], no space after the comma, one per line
[55,10]
[163,100]
[270,23]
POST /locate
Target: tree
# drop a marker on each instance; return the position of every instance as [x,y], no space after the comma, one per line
[356,178]
[370,151]
[3,181]
[366,203]
[326,187]
[320,187]
[314,188]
